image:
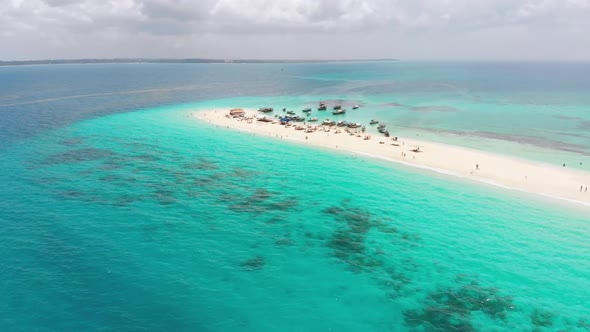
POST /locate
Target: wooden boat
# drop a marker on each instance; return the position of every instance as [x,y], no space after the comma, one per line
[264,118]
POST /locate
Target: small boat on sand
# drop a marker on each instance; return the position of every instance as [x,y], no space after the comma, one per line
[354,125]
[338,111]
[342,124]
[264,118]
[265,109]
[312,119]
[329,122]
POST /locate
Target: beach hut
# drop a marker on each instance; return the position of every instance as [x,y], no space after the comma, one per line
[237,112]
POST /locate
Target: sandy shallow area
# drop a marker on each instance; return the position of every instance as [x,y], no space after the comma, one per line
[505,171]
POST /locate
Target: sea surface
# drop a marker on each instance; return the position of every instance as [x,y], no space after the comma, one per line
[119,211]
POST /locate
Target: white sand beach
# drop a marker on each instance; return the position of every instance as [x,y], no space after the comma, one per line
[505,171]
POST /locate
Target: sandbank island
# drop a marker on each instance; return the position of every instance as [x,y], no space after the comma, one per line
[528,176]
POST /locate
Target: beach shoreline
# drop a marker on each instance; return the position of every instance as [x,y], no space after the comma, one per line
[557,183]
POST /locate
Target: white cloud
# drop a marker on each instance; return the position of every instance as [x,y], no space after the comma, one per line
[74,28]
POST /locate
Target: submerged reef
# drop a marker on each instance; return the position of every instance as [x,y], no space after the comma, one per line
[254,263]
[451,308]
[77,156]
[349,239]
[541,318]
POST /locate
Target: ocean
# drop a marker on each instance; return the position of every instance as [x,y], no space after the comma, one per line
[120,211]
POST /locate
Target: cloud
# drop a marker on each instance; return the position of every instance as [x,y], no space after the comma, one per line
[70,28]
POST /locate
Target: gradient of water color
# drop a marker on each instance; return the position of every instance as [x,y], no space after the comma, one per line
[150,220]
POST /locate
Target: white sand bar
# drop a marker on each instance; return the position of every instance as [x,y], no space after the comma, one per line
[528,176]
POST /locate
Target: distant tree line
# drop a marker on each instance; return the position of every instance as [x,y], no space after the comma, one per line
[93,61]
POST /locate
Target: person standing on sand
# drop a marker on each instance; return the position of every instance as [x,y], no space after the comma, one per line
[581,187]
[477,166]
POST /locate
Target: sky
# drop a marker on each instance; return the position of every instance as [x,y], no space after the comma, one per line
[296,29]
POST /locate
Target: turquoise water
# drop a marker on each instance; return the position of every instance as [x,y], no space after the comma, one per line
[151,220]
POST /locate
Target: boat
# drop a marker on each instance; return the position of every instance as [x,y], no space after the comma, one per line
[322,106]
[312,119]
[338,112]
[329,122]
[342,124]
[374,122]
[291,112]
[265,109]
[381,126]
[386,134]
[354,125]
[306,110]
[264,118]
[355,107]
[337,107]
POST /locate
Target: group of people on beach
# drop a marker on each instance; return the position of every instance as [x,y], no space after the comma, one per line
[584,189]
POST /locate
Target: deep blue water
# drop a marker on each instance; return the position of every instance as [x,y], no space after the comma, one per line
[120,213]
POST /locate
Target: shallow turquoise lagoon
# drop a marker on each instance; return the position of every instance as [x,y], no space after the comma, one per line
[154,221]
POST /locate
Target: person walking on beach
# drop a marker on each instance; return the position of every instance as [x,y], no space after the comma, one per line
[477,166]
[581,187]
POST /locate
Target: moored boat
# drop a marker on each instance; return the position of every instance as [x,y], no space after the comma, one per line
[337,106]
[338,111]
[374,122]
[355,107]
[312,119]
[306,110]
[265,109]
[354,125]
[322,106]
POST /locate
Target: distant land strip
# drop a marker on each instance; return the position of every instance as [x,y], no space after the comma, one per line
[188,60]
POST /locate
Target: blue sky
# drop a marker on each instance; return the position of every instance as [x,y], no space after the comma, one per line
[296,29]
